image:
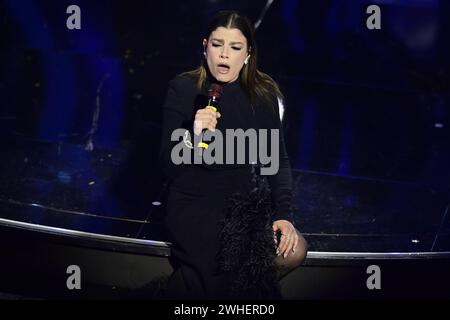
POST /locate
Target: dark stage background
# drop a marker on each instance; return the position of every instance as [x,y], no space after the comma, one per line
[358,102]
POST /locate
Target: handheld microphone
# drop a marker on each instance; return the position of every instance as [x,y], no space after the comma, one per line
[214,94]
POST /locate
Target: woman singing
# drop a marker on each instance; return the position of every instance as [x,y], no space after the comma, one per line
[231,228]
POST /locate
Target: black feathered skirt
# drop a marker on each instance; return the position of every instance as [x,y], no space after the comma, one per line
[219,222]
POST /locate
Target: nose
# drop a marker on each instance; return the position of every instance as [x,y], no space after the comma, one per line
[224,54]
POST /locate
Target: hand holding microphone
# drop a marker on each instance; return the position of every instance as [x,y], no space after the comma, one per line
[206,118]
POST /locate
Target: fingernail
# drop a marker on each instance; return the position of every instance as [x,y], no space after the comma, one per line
[293,250]
[284,256]
[278,252]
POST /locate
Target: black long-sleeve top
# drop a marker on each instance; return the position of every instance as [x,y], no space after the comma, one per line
[182,102]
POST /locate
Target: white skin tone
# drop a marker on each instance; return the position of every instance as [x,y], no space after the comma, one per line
[226,46]
[229,46]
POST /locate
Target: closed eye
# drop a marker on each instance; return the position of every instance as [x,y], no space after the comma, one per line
[215,45]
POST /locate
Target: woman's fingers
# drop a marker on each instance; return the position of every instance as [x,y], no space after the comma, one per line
[288,244]
[205,124]
[283,244]
[209,112]
[275,237]
[289,237]
[206,119]
[295,242]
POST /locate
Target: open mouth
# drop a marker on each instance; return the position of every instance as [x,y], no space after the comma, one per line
[223,68]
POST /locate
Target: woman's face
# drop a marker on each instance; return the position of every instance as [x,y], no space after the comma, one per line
[226,51]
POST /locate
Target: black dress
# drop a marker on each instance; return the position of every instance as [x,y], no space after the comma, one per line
[204,200]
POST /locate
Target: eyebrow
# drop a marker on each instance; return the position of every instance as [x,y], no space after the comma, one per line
[234,42]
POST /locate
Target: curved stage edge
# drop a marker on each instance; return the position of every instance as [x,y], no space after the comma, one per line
[36,259]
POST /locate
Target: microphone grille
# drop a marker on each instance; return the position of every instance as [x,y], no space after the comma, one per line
[215,90]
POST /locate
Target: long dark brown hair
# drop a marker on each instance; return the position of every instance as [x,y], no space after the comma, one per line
[259,86]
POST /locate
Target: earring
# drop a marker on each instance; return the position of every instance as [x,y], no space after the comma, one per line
[246,61]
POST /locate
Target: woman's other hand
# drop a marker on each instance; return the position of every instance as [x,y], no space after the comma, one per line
[289,237]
